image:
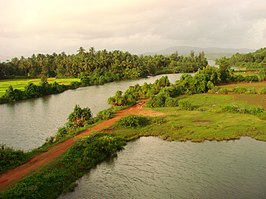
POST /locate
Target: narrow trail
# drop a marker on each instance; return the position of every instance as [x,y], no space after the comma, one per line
[14,175]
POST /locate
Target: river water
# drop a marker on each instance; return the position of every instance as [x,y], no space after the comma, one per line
[152,168]
[25,125]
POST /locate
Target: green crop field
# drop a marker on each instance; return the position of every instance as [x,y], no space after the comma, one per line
[21,83]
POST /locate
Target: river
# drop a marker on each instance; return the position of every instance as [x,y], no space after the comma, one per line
[26,124]
[152,168]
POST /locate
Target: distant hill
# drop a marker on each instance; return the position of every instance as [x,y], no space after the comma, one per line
[211,52]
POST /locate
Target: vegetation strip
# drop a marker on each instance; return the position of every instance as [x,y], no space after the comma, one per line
[16,174]
[92,68]
[180,123]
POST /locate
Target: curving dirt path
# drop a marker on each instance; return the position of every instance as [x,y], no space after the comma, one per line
[14,175]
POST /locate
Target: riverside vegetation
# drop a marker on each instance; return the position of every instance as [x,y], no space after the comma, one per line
[190,114]
[92,68]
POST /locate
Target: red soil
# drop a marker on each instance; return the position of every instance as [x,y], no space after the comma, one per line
[14,175]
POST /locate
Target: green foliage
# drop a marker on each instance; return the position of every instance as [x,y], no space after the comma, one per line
[171,102]
[10,158]
[80,116]
[158,100]
[263,91]
[255,60]
[106,114]
[52,180]
[242,110]
[133,121]
[32,90]
[262,74]
[185,105]
[240,90]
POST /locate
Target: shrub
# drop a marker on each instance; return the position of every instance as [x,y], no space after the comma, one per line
[106,114]
[251,91]
[263,91]
[80,116]
[171,102]
[185,105]
[215,89]
[10,158]
[54,179]
[243,110]
[251,78]
[133,121]
[224,90]
[240,90]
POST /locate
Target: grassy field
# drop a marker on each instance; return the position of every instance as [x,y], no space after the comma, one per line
[204,123]
[256,85]
[21,83]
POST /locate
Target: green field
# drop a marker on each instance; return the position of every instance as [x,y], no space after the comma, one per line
[207,122]
[21,83]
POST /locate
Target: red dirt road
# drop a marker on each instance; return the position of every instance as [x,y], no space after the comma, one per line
[14,175]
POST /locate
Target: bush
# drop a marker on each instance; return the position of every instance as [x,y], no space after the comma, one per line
[263,91]
[80,116]
[215,89]
[171,102]
[158,100]
[133,121]
[10,158]
[252,78]
[224,90]
[251,91]
[54,179]
[240,90]
[106,114]
[242,110]
[185,105]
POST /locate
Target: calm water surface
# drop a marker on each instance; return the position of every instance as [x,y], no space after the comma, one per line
[152,168]
[26,125]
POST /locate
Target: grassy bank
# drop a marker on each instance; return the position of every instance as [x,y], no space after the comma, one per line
[60,176]
[21,83]
[208,121]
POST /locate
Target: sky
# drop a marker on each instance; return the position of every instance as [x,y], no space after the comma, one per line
[137,26]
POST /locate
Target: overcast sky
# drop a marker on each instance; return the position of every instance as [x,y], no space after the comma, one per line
[46,26]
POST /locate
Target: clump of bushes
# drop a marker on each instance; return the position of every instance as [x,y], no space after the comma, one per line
[171,102]
[263,91]
[185,105]
[133,121]
[51,181]
[243,110]
[106,114]
[10,158]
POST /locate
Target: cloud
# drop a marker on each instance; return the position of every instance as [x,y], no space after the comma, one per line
[32,26]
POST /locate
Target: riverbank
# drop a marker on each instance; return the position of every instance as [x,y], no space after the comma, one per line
[14,175]
[170,123]
[210,120]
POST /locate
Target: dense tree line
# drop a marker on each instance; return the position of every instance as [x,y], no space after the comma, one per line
[162,93]
[34,91]
[107,65]
[255,60]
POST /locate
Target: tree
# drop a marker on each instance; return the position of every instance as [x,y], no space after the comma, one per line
[80,116]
